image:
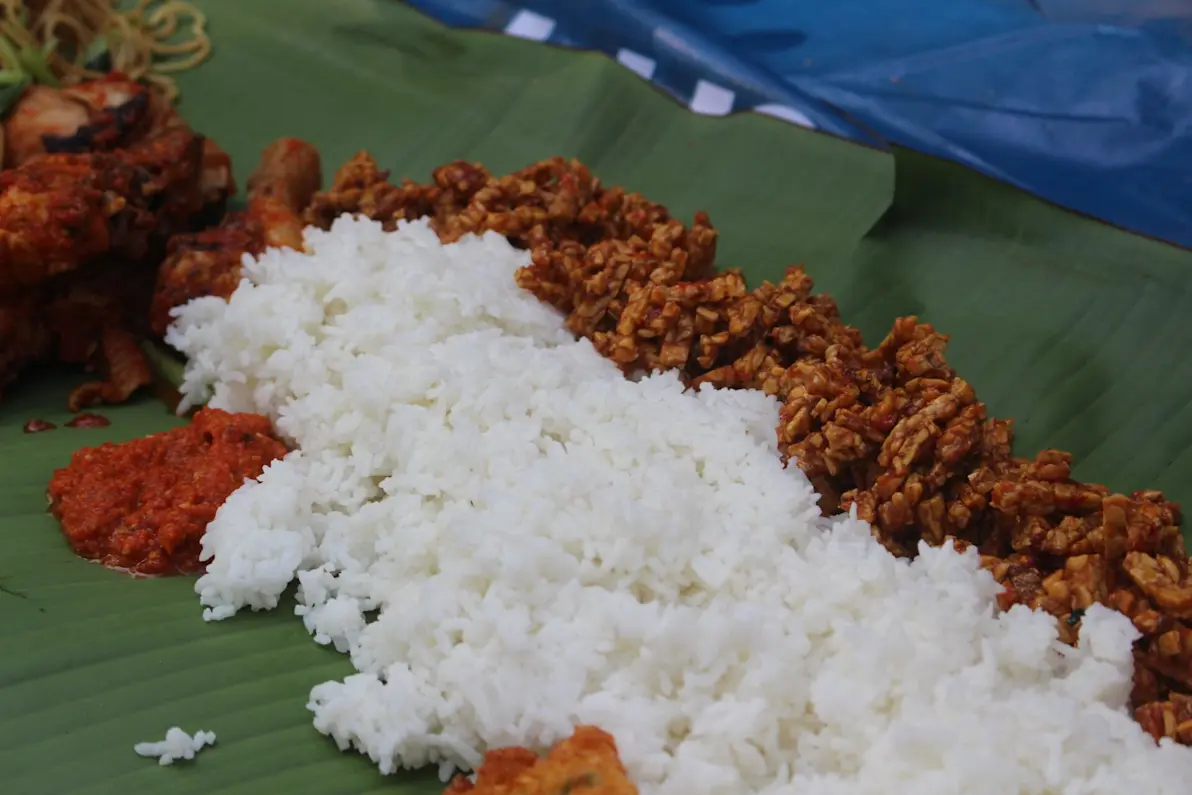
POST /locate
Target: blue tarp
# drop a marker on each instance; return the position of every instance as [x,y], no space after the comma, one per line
[1087,103]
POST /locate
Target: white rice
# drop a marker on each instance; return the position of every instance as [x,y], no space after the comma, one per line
[177,745]
[548,543]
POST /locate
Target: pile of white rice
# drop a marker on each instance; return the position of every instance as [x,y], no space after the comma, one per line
[548,543]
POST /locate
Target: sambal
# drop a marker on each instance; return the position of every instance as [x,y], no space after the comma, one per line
[88,420]
[142,506]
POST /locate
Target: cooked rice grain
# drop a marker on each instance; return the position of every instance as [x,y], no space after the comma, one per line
[177,746]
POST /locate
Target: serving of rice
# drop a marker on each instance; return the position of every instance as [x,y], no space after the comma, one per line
[547,543]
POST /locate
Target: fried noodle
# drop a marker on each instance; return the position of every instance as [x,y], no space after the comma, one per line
[151,40]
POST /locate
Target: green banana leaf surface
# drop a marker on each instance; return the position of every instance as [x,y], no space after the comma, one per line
[1076,330]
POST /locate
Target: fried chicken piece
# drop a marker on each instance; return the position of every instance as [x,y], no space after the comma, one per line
[584,764]
[93,314]
[107,114]
[203,263]
[215,182]
[113,353]
[40,112]
[83,317]
[125,371]
[24,335]
[285,180]
[210,262]
[106,173]
[172,162]
[62,214]
[60,211]
[68,214]
[96,115]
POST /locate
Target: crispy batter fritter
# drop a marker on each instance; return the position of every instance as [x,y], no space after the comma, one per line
[586,763]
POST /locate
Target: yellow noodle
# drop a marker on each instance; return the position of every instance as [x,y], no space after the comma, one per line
[149,41]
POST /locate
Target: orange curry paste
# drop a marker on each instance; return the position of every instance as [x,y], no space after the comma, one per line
[142,506]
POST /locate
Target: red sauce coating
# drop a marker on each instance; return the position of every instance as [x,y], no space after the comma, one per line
[88,420]
[142,506]
[37,426]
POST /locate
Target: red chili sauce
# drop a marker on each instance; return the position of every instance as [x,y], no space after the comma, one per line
[142,506]
[88,420]
[37,426]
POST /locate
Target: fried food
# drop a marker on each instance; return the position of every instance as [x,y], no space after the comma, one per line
[75,234]
[109,114]
[150,40]
[58,212]
[209,262]
[25,337]
[105,115]
[555,204]
[94,315]
[586,763]
[289,173]
[86,317]
[142,506]
[360,187]
[95,116]
[215,182]
[106,172]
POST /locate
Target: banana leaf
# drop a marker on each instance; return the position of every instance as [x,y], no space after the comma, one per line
[1071,327]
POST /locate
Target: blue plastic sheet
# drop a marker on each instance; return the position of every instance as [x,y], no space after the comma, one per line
[1087,103]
